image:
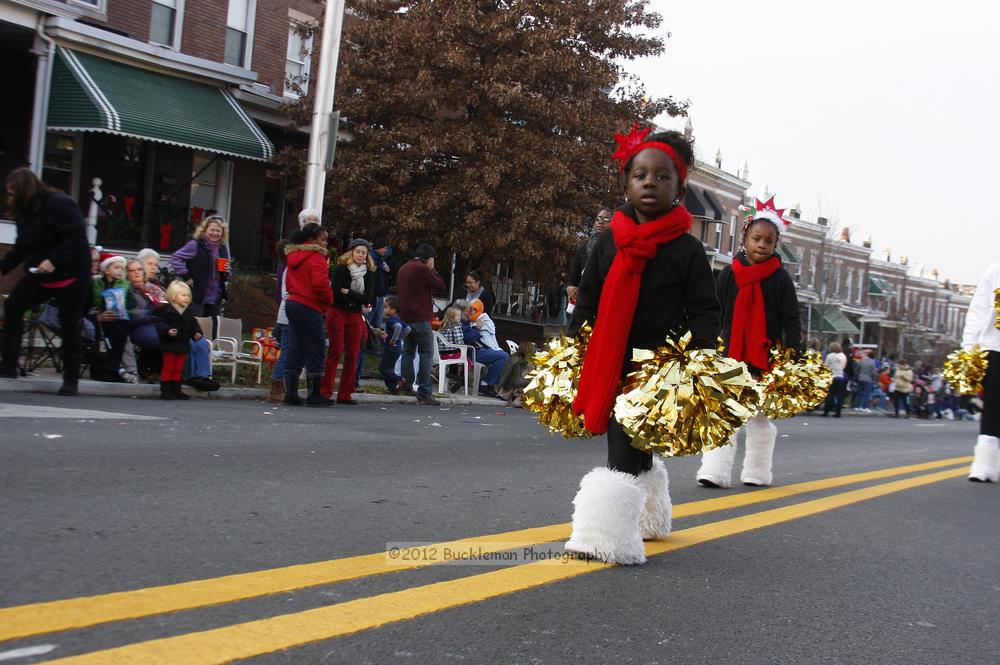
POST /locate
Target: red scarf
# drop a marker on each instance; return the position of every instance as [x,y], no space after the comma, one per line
[748,335]
[602,366]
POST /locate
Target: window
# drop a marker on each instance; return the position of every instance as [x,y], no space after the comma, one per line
[239,32]
[99,5]
[732,234]
[297,59]
[164,22]
[812,270]
[718,237]
[60,150]
[850,285]
[204,171]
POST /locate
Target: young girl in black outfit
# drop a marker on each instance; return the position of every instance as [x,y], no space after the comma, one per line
[760,309]
[177,327]
[646,278]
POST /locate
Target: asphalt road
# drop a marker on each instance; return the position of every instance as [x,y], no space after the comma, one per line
[103,495]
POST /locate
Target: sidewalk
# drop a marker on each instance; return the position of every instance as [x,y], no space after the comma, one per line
[47,381]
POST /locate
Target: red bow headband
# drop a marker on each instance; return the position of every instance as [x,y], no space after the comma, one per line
[631,144]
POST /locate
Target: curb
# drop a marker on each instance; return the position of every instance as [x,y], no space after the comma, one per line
[152,391]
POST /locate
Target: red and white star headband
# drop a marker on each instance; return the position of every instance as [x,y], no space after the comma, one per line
[766,210]
[631,144]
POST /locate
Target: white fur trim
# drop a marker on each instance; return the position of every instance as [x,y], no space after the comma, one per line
[760,451]
[606,517]
[655,521]
[717,464]
[986,460]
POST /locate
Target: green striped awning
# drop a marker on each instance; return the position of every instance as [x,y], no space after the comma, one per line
[829,319]
[92,94]
[787,253]
[878,286]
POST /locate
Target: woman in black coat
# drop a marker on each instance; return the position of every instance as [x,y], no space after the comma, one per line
[52,245]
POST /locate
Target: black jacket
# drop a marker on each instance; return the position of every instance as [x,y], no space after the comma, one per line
[53,230]
[578,264]
[781,306]
[677,293]
[351,301]
[168,317]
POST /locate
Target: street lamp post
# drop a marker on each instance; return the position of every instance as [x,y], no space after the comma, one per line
[320,141]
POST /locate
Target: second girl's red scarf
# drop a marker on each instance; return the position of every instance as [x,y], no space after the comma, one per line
[748,334]
[602,366]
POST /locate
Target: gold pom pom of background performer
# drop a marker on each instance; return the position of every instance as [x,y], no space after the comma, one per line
[982,327]
[760,309]
[646,278]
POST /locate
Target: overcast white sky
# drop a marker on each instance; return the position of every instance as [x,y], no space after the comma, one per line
[883,116]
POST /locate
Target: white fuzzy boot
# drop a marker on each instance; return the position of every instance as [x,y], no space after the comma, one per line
[760,450]
[655,520]
[986,460]
[606,517]
[717,465]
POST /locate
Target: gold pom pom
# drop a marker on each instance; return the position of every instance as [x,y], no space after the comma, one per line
[996,306]
[553,383]
[683,402]
[964,370]
[794,384]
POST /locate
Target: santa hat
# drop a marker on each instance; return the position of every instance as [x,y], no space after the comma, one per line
[766,210]
[111,258]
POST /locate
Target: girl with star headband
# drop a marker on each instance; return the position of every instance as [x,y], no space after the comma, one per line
[759,310]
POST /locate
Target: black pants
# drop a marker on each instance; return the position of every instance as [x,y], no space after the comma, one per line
[622,456]
[901,402]
[71,301]
[989,421]
[115,335]
[835,398]
[308,334]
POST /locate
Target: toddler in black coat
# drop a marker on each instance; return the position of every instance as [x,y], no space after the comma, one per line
[177,326]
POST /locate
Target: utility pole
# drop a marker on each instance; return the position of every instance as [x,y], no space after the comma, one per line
[320,139]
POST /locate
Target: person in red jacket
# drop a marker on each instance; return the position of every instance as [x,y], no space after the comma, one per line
[307,278]
[415,287]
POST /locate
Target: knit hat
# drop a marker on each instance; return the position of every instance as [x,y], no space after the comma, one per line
[359,242]
[425,251]
[112,259]
[477,308]
[306,214]
[379,243]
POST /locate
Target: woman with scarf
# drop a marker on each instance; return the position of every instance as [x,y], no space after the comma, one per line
[760,310]
[203,263]
[646,280]
[475,289]
[353,283]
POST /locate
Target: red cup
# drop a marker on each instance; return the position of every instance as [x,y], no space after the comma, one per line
[222,265]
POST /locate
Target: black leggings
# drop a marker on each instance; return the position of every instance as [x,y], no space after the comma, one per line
[71,301]
[622,456]
[989,421]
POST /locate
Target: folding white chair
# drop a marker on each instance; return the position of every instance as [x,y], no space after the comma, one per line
[512,345]
[442,363]
[222,351]
[231,336]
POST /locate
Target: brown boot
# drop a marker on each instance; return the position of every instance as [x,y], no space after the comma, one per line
[277,393]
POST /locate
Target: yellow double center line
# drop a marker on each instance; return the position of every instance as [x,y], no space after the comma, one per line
[264,636]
